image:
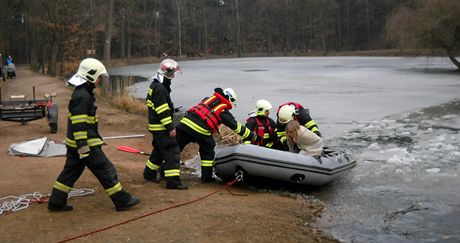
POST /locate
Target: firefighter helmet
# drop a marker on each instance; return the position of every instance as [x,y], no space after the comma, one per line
[263,106]
[168,68]
[286,114]
[231,95]
[91,69]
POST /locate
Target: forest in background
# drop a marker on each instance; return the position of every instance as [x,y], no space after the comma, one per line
[53,35]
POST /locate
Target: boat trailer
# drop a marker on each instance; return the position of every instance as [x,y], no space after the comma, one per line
[19,109]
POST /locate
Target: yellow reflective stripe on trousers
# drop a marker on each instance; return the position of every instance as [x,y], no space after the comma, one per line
[247,142]
[114,189]
[269,145]
[156,127]
[149,103]
[170,173]
[207,163]
[61,187]
[266,135]
[80,135]
[195,127]
[162,108]
[166,120]
[310,124]
[151,165]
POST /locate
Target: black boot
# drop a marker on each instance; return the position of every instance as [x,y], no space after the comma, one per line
[150,175]
[206,174]
[124,201]
[129,204]
[175,183]
[58,201]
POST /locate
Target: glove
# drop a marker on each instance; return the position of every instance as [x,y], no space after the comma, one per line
[83,151]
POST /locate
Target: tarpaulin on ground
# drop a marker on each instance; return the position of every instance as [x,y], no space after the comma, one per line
[41,147]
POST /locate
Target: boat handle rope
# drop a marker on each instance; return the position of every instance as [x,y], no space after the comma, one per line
[239,177]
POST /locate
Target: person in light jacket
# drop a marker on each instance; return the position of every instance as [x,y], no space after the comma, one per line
[302,140]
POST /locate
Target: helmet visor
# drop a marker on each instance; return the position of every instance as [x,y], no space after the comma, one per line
[103,80]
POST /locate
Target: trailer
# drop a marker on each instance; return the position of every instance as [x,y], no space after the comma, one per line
[19,109]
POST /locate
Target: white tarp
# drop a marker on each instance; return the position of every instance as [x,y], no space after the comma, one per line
[41,147]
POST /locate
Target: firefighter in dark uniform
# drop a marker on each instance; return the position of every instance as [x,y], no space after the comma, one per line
[293,111]
[165,154]
[262,125]
[84,143]
[203,120]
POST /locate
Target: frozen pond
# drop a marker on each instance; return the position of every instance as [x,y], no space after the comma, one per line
[398,115]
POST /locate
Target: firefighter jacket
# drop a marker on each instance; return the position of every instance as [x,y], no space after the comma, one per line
[264,128]
[82,120]
[301,115]
[206,117]
[160,108]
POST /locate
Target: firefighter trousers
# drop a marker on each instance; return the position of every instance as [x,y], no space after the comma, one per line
[99,165]
[166,154]
[206,150]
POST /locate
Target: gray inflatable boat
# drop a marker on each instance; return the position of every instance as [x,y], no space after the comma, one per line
[281,165]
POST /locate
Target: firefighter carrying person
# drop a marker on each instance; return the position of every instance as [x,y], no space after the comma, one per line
[165,151]
[84,143]
[293,111]
[262,125]
[203,120]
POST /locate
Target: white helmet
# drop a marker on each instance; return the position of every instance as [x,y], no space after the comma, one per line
[286,114]
[90,69]
[168,68]
[231,95]
[262,106]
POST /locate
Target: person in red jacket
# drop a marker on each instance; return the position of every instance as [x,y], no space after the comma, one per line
[262,125]
[203,120]
[84,144]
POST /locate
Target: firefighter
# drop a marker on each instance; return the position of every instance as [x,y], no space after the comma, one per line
[262,125]
[293,111]
[165,151]
[84,143]
[203,120]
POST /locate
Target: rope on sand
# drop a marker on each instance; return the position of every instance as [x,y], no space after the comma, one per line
[13,204]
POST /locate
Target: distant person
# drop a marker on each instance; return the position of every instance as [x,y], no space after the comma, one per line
[9,60]
[303,141]
[11,69]
[203,120]
[160,110]
[2,76]
[262,125]
[293,111]
[84,143]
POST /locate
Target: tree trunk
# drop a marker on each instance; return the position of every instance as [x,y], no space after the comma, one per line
[238,28]
[453,59]
[123,33]
[179,34]
[108,34]
[205,20]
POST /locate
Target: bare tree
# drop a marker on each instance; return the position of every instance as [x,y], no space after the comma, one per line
[431,24]
[108,33]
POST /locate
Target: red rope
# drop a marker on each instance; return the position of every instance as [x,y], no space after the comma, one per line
[229,184]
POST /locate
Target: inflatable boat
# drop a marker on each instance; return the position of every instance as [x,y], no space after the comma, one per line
[285,166]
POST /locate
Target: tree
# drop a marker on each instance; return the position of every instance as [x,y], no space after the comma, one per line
[429,24]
